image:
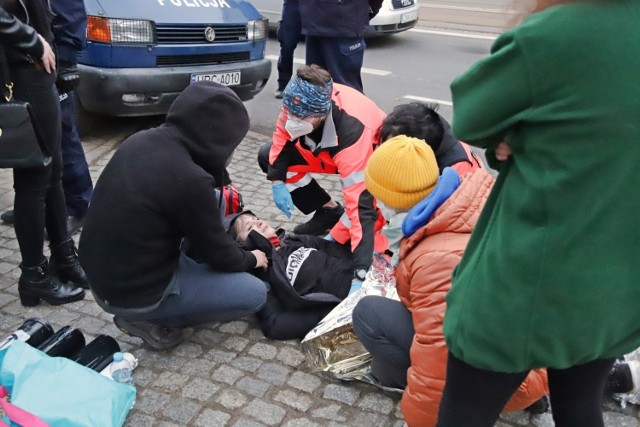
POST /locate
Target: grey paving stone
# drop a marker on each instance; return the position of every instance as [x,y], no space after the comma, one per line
[236,343]
[290,356]
[139,420]
[275,374]
[263,351]
[340,393]
[253,387]
[220,356]
[197,368]
[207,337]
[295,400]
[543,420]
[300,422]
[245,363]
[520,418]
[231,399]
[264,412]
[377,403]
[243,422]
[199,389]
[370,419]
[227,374]
[211,418]
[150,402]
[613,419]
[181,410]
[188,350]
[170,381]
[237,327]
[331,412]
[304,381]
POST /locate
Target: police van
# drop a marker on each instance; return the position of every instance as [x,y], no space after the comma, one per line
[141,54]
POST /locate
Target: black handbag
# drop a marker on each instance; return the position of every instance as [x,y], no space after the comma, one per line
[21,145]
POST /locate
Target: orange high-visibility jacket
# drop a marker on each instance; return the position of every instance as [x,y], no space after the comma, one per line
[347,142]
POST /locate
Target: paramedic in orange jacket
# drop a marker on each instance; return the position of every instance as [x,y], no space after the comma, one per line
[329,128]
[436,215]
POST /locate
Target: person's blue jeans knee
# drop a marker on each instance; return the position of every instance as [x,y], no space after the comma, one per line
[385,328]
[289,35]
[76,179]
[200,294]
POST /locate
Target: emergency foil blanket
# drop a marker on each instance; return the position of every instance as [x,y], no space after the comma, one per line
[333,347]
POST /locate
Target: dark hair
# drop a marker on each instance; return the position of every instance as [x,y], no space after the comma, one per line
[417,120]
[314,74]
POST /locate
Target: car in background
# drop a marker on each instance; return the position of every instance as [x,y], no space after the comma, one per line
[394,16]
[141,54]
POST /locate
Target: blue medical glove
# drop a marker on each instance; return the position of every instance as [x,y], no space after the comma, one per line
[329,238]
[355,285]
[282,198]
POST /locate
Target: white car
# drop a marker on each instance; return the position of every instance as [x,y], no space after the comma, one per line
[394,16]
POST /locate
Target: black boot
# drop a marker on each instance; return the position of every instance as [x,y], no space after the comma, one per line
[65,265]
[37,283]
[322,221]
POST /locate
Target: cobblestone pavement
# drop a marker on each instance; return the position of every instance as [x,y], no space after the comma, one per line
[224,374]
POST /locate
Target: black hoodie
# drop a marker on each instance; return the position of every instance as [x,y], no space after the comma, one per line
[157,189]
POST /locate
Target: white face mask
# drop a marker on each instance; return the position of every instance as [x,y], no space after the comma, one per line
[298,128]
[387,212]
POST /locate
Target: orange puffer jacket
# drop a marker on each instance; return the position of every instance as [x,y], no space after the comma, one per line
[423,275]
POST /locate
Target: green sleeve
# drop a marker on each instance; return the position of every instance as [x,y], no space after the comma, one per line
[493,95]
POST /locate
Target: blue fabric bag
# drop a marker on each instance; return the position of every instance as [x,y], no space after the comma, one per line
[61,391]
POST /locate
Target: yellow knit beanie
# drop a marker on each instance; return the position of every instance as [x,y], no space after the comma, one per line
[401,172]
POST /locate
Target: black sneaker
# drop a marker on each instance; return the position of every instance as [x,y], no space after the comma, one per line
[623,378]
[157,336]
[322,221]
[279,94]
[540,406]
[8,217]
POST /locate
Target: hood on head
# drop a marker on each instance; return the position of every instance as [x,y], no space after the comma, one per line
[210,121]
[229,220]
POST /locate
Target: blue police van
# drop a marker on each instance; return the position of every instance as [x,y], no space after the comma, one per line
[141,54]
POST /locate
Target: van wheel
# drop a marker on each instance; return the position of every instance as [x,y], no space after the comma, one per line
[86,121]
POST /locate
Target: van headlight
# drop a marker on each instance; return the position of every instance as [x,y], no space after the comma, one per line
[257,29]
[119,31]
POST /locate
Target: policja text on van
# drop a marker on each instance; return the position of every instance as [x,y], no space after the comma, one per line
[196,3]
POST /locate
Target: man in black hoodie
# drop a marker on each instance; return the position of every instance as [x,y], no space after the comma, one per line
[156,191]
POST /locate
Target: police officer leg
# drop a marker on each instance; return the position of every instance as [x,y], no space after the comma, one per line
[344,57]
[76,179]
[289,34]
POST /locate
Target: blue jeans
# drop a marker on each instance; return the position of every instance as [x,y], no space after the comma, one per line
[341,56]
[289,34]
[76,180]
[198,294]
[385,328]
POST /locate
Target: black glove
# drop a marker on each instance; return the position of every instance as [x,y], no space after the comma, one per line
[68,77]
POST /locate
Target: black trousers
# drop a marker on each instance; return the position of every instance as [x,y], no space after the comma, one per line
[289,34]
[307,198]
[39,199]
[474,397]
[385,328]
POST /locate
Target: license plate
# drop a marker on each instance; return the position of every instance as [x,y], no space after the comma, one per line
[231,78]
[408,17]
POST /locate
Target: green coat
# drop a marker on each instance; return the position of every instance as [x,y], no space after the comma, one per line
[551,276]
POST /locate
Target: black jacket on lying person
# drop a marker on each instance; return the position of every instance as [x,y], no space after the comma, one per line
[308,276]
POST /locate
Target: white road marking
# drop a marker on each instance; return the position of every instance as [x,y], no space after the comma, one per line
[364,70]
[454,34]
[423,99]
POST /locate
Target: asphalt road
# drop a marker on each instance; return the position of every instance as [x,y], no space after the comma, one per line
[414,65]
